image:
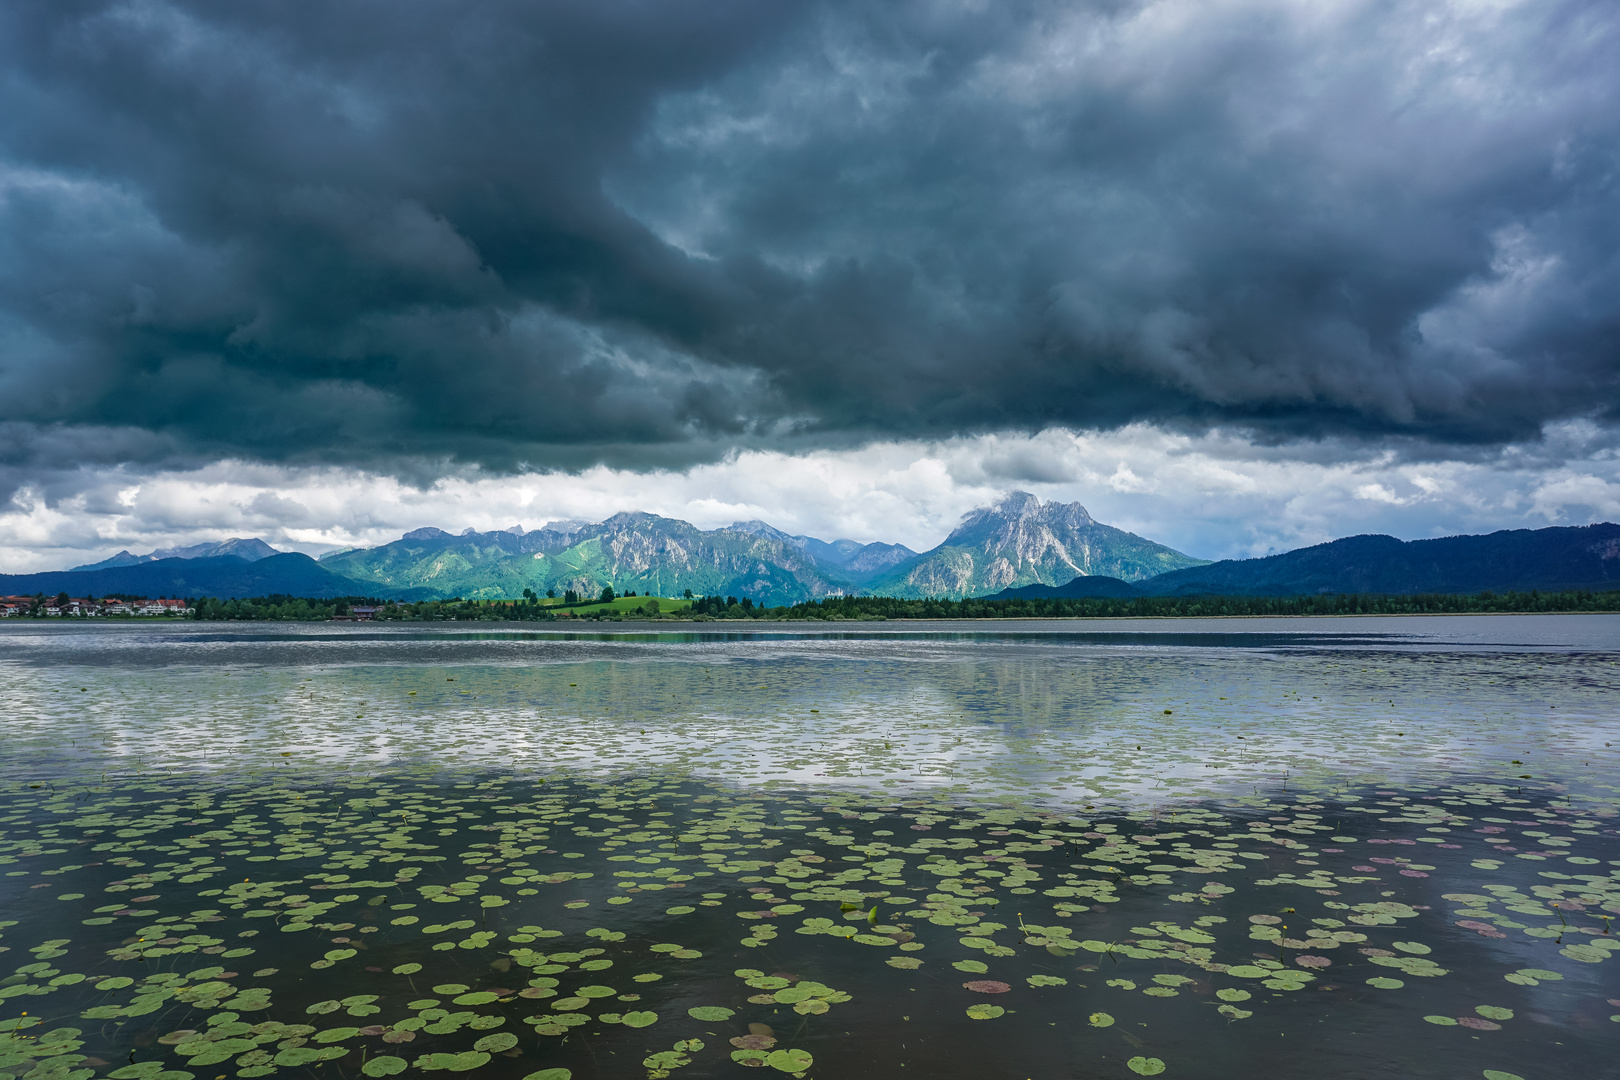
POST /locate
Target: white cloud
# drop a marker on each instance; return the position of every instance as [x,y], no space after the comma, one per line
[1217,495]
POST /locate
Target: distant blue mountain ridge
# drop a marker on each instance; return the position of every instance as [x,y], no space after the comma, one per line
[1521,560]
[222,576]
[236,547]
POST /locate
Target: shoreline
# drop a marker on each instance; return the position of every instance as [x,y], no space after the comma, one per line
[553,624]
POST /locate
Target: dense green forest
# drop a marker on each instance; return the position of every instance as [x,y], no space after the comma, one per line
[867,608]
[1148,607]
[278,607]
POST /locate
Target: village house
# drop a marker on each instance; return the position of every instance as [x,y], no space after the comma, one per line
[163,607]
[84,607]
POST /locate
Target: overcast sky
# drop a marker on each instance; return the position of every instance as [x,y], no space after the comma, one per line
[1236,275]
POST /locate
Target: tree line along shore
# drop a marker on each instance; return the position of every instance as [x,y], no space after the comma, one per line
[871,608]
[613,607]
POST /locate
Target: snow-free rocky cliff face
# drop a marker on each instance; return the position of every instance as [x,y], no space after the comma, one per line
[1023,541]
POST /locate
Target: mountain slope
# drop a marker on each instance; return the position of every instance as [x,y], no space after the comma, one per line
[1111,588]
[250,550]
[631,551]
[223,576]
[1517,559]
[1022,541]
[849,559]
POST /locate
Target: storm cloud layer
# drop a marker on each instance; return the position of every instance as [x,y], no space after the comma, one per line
[643,233]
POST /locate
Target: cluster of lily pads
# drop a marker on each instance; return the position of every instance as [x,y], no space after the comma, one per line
[526,927]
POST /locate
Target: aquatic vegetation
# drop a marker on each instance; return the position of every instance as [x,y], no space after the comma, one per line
[231,875]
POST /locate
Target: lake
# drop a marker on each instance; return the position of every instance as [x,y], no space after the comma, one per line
[1356,847]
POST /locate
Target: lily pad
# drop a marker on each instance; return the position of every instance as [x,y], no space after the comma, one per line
[710,1013]
[987,986]
[789,1061]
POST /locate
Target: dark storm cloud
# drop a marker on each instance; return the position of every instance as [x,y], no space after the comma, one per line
[643,231]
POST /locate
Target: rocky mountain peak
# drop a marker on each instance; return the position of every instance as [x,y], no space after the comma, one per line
[1016,514]
[638,519]
[1020,540]
[770,532]
[1015,504]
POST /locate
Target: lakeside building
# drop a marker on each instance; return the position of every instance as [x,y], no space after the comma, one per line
[85,608]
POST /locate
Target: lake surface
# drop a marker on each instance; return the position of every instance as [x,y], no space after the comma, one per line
[1347,847]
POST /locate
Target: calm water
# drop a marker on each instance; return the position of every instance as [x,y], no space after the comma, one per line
[1335,847]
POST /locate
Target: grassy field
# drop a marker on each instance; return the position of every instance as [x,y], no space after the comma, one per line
[624,605]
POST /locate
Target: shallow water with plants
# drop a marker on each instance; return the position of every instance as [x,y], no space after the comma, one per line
[1337,848]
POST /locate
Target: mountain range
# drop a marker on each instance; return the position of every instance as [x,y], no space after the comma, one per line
[247,550]
[1019,546]
[223,576]
[1552,559]
[1017,541]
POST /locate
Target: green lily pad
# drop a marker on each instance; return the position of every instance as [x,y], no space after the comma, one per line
[466,1061]
[298,1055]
[710,1013]
[985,1012]
[789,1061]
[1539,974]
[386,1065]
[1145,1066]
